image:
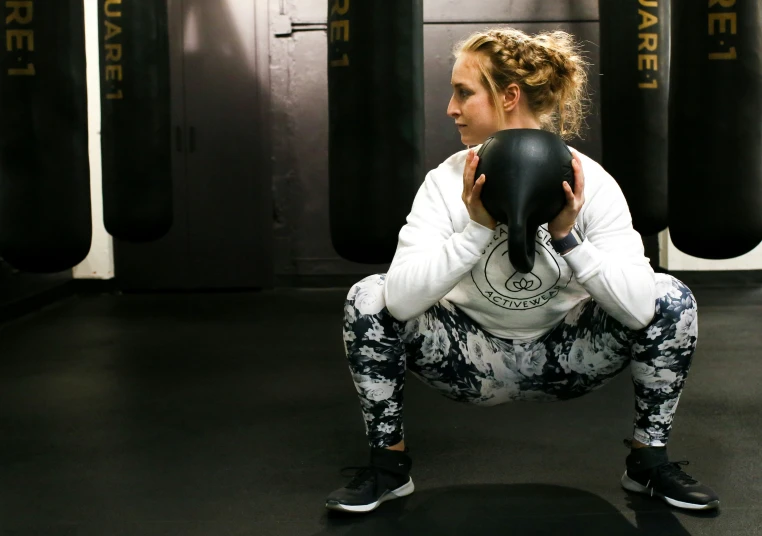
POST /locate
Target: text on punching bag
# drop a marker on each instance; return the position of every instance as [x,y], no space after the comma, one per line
[723,21]
[648,64]
[19,36]
[339,31]
[113,74]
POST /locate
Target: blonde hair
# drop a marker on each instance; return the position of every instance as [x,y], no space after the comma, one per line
[548,67]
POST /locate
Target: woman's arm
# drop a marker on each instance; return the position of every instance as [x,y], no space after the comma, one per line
[430,258]
[610,264]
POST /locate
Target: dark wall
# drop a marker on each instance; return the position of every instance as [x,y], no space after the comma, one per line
[298,71]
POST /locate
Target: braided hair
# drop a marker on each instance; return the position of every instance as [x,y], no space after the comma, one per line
[548,67]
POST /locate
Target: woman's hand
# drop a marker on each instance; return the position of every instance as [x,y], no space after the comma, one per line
[563,223]
[472,193]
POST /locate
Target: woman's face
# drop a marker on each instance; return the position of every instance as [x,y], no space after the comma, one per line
[470,105]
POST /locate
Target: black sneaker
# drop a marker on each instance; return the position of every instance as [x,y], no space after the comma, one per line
[649,471]
[386,478]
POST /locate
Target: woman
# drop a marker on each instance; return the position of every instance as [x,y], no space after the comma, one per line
[453,314]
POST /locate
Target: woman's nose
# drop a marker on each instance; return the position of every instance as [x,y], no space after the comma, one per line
[452,110]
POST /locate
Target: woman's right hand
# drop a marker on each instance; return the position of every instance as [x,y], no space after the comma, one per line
[472,190]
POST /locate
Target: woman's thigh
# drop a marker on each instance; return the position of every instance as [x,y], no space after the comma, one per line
[447,350]
[450,352]
[586,350]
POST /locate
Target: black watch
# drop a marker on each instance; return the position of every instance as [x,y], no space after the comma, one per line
[574,238]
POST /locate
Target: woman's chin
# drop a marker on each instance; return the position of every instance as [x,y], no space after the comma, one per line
[470,141]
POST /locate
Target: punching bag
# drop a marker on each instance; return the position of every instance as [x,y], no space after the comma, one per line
[375,90]
[634,101]
[715,127]
[45,212]
[135,119]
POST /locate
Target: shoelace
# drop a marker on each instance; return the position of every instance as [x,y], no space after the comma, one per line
[672,470]
[360,475]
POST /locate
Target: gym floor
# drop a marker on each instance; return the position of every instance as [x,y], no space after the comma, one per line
[232,414]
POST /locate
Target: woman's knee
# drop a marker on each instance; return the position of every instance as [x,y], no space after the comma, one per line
[675,304]
[366,297]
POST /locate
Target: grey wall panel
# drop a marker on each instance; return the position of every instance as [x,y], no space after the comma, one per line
[470,10]
[509,10]
[308,108]
[300,112]
[222,228]
[281,160]
[229,195]
[442,138]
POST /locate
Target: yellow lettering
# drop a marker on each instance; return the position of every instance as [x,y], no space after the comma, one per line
[648,41]
[114,13]
[113,72]
[337,27]
[16,15]
[113,52]
[646,19]
[648,61]
[117,95]
[722,18]
[340,10]
[343,62]
[19,36]
[29,71]
[649,85]
[729,55]
[647,3]
[112,30]
[723,3]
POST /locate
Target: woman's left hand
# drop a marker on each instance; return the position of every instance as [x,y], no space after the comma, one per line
[562,224]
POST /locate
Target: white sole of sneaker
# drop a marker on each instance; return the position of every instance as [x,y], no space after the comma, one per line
[637,487]
[401,491]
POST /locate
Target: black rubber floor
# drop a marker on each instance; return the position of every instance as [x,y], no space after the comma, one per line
[232,414]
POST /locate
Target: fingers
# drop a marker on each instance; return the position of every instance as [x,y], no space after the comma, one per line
[466,187]
[569,196]
[477,191]
[579,177]
[472,160]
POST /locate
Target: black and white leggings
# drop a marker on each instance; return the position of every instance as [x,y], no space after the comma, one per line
[448,351]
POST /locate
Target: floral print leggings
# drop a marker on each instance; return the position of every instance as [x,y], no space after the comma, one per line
[448,351]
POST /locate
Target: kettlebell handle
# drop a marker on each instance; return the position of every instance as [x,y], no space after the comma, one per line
[520,247]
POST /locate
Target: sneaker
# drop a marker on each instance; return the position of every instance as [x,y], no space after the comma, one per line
[386,478]
[649,471]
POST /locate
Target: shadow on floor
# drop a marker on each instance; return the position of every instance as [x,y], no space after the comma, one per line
[518,509]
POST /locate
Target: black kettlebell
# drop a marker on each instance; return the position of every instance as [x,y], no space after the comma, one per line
[524,169]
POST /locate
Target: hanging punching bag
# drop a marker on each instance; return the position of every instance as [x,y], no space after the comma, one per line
[45,213]
[635,66]
[715,127]
[375,85]
[135,119]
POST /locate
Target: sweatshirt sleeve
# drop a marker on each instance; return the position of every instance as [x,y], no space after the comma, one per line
[430,258]
[610,264]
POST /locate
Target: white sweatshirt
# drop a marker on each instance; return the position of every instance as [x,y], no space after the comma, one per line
[442,253]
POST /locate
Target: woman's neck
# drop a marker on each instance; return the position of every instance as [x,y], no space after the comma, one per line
[517,120]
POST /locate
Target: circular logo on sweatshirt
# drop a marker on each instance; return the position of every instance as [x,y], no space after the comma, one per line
[503,285]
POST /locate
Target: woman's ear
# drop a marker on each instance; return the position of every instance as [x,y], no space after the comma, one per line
[511,97]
